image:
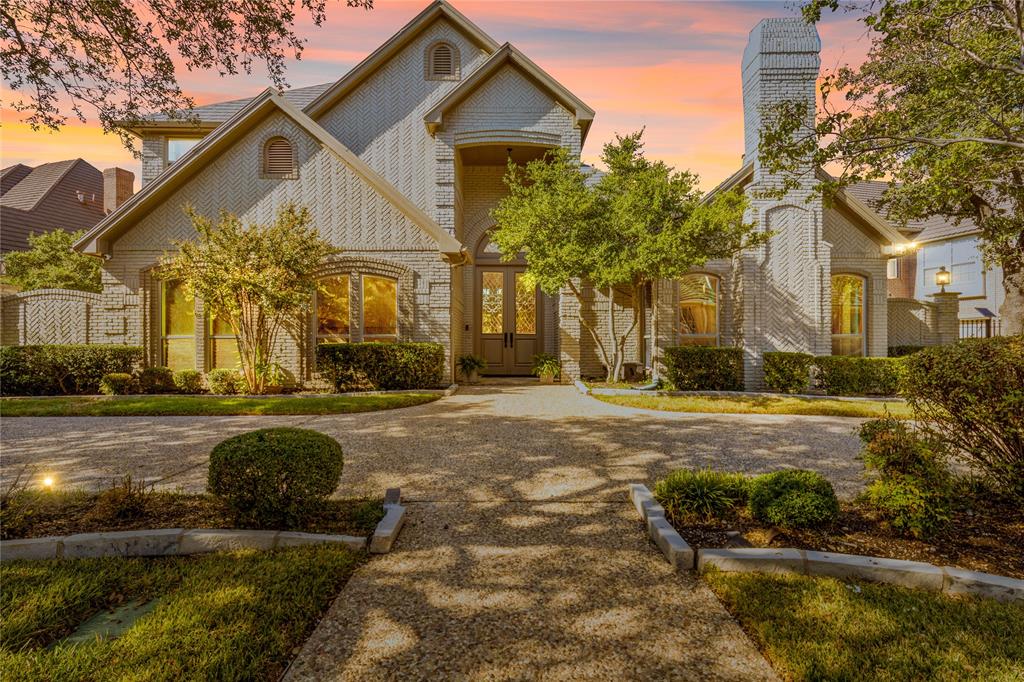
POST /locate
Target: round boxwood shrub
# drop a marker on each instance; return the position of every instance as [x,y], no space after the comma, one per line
[188,381]
[793,498]
[275,477]
[156,380]
[224,381]
[117,383]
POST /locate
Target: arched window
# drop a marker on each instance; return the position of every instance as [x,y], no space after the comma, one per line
[848,314]
[442,62]
[278,158]
[698,310]
[332,310]
[380,308]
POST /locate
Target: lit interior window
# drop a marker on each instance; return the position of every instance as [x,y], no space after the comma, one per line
[178,325]
[698,310]
[380,309]
[332,310]
[848,315]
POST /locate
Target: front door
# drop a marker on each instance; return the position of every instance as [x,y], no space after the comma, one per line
[509,323]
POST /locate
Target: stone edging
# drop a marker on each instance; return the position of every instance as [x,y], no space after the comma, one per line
[443,392]
[916,574]
[586,390]
[185,541]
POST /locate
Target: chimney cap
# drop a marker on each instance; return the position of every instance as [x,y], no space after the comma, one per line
[782,35]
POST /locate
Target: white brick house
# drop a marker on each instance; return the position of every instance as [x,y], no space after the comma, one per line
[400,163]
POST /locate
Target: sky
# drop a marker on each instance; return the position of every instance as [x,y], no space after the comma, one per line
[672,68]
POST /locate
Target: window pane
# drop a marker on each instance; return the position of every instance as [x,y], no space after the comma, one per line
[332,309]
[224,353]
[847,315]
[179,315]
[380,306]
[180,353]
[698,306]
[220,326]
[526,306]
[492,302]
[179,146]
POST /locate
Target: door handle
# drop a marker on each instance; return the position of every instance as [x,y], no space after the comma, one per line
[504,340]
[511,339]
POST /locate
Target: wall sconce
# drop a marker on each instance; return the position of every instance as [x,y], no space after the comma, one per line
[899,248]
[942,278]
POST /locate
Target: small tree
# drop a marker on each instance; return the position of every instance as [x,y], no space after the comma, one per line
[642,222]
[52,263]
[258,277]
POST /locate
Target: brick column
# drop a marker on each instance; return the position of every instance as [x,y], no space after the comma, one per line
[569,330]
[947,317]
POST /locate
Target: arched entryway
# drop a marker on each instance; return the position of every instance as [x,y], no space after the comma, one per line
[507,311]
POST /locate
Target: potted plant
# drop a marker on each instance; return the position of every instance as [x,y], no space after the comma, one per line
[546,367]
[470,366]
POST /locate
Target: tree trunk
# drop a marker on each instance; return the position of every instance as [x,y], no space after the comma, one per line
[655,374]
[1011,312]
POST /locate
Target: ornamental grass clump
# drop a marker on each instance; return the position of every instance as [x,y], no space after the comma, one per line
[701,494]
[793,498]
[274,478]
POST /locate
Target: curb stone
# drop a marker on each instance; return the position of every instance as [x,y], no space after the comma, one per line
[388,528]
[668,540]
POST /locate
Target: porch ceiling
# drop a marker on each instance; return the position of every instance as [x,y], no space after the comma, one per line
[498,154]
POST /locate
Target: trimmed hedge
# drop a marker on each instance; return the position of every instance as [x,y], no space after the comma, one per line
[275,477]
[63,369]
[788,372]
[381,366]
[704,368]
[156,380]
[902,351]
[117,383]
[840,375]
[224,381]
[188,381]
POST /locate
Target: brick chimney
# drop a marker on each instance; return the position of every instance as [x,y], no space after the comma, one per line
[118,187]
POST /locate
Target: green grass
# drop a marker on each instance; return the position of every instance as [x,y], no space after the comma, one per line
[822,629]
[762,405]
[237,616]
[203,405]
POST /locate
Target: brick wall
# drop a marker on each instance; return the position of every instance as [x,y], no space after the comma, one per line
[51,316]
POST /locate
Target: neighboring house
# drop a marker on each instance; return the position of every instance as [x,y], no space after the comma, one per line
[943,243]
[70,195]
[400,163]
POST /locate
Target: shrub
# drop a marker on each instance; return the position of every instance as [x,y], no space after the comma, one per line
[793,498]
[704,368]
[188,381]
[788,372]
[225,381]
[903,351]
[117,383]
[156,380]
[381,366]
[67,369]
[971,395]
[126,500]
[908,506]
[702,494]
[275,477]
[841,375]
[546,364]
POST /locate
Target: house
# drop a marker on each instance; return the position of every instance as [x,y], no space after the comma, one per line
[400,163]
[70,195]
[944,244]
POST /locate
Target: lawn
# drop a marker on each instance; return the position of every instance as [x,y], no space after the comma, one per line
[739,404]
[204,405]
[237,616]
[827,629]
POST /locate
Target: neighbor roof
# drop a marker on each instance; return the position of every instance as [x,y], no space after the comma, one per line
[929,230]
[98,239]
[12,175]
[38,183]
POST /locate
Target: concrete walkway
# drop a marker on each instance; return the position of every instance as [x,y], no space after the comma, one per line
[522,559]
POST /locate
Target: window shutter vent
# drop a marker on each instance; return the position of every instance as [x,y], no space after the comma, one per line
[278,158]
[443,61]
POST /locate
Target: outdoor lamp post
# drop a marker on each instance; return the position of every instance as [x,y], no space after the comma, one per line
[942,278]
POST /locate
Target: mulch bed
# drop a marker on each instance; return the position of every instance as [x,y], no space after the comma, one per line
[990,539]
[39,514]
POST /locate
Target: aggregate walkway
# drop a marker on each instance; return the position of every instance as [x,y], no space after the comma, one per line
[522,558]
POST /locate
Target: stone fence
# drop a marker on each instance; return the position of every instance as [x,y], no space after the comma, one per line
[50,316]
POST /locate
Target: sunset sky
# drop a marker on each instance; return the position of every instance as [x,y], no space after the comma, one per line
[673,67]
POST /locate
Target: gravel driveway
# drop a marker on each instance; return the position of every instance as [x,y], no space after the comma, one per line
[522,558]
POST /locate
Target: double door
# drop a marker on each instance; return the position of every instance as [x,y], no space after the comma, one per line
[508,314]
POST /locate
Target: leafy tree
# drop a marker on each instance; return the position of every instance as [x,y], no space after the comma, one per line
[641,222]
[116,58]
[52,263]
[937,109]
[259,277]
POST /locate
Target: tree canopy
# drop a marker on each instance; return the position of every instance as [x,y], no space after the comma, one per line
[640,222]
[937,110]
[258,276]
[52,263]
[118,59]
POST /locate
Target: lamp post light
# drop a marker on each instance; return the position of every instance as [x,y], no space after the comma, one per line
[942,278]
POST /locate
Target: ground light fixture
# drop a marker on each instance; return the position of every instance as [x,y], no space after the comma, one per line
[942,278]
[48,482]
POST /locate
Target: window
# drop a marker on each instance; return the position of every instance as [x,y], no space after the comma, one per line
[177,327]
[698,310]
[961,257]
[380,309]
[278,158]
[848,315]
[892,268]
[177,147]
[442,62]
[332,310]
[223,344]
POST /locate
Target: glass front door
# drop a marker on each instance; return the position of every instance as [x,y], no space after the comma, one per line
[509,322]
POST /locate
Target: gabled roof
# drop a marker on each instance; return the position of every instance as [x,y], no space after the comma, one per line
[433,12]
[849,200]
[508,54]
[98,239]
[930,229]
[36,185]
[12,175]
